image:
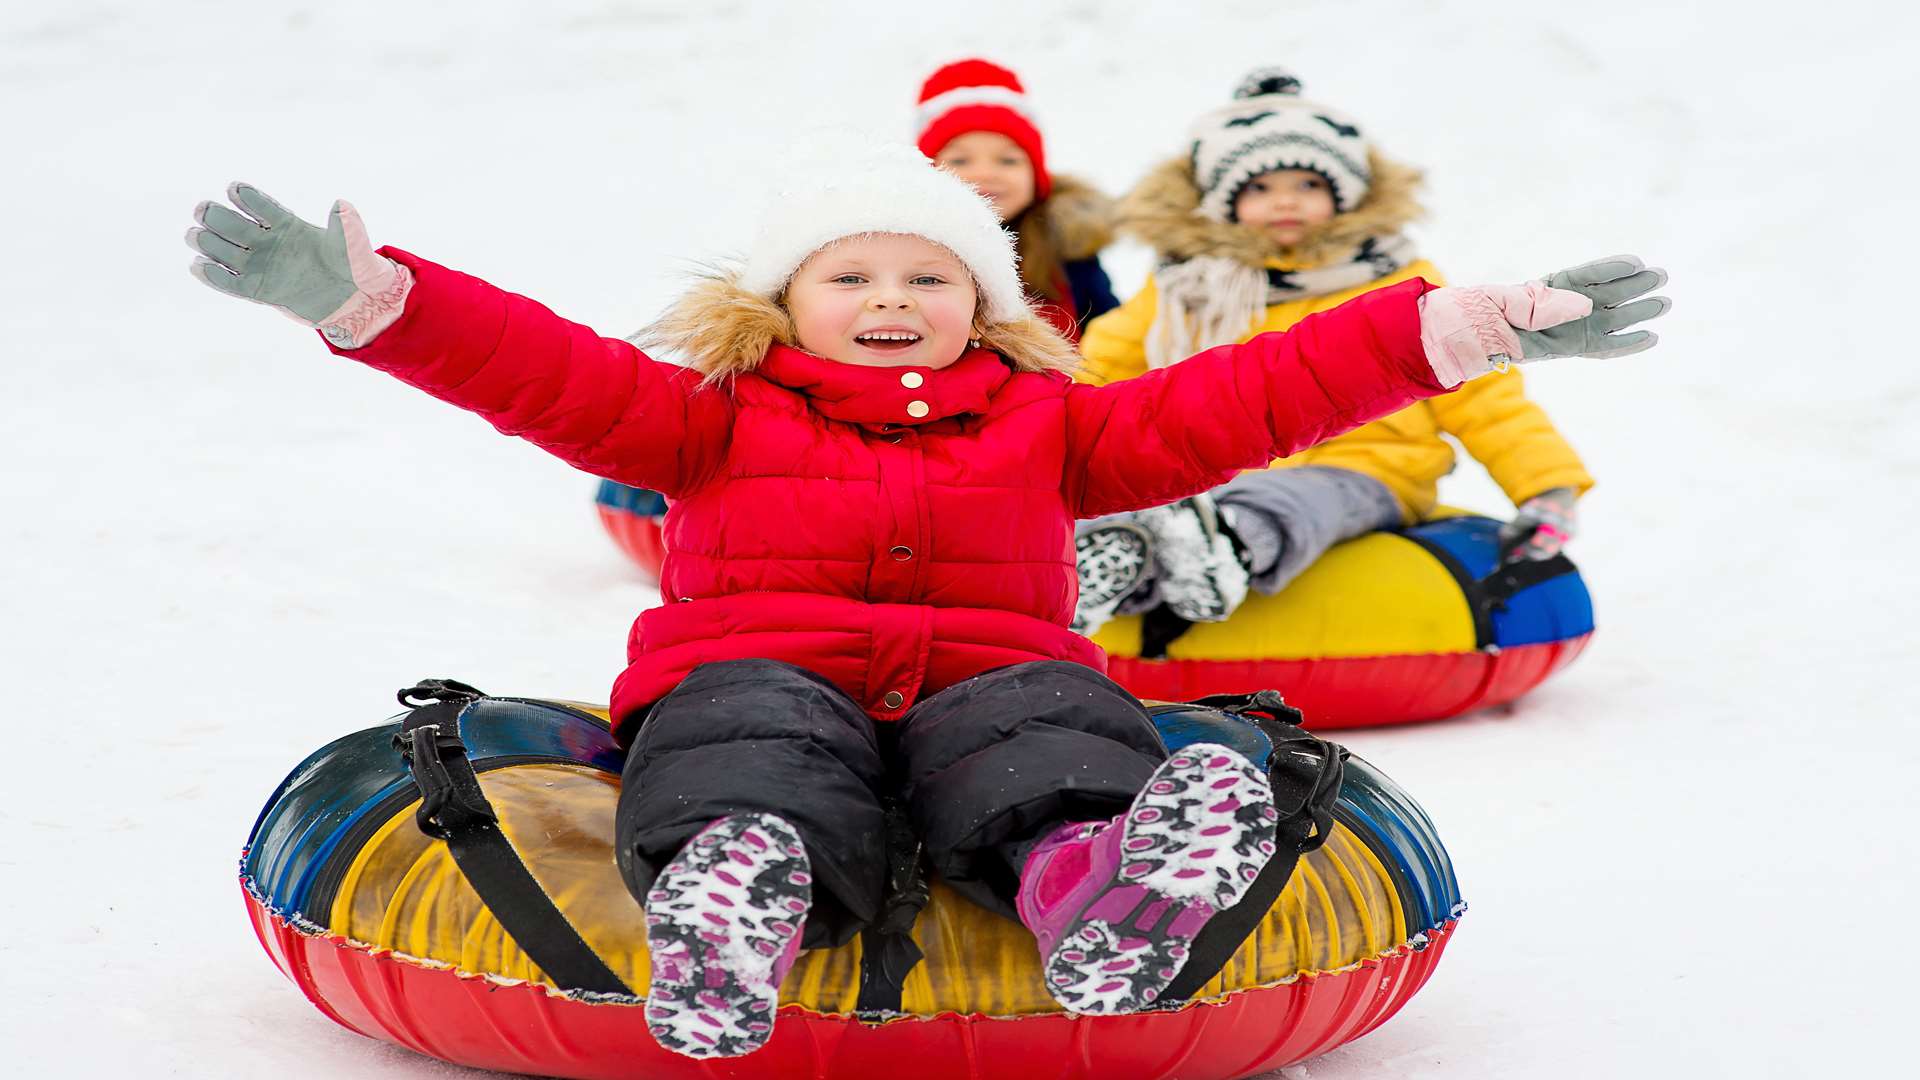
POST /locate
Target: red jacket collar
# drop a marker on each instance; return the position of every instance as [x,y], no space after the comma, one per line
[888,395]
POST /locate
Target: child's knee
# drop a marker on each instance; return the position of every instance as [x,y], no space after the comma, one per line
[754,700]
[993,706]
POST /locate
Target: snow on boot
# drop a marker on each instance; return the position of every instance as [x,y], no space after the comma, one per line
[723,928]
[1114,904]
[1200,574]
[1112,562]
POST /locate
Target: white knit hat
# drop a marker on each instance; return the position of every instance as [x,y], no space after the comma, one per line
[889,188]
[1268,127]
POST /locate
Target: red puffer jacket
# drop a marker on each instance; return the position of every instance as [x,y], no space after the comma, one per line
[823,517]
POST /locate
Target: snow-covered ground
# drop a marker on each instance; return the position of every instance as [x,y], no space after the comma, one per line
[1692,855]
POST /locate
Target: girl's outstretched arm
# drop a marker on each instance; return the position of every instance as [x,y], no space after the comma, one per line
[598,403]
[1190,426]
[1187,427]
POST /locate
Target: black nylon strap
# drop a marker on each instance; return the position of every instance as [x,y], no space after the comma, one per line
[1489,594]
[887,948]
[453,808]
[1306,773]
[1159,628]
[1222,936]
[1266,704]
[1509,578]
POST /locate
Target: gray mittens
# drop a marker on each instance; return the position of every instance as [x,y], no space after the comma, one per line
[1610,284]
[1467,332]
[330,279]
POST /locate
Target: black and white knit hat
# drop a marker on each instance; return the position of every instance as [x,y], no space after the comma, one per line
[858,189]
[1270,126]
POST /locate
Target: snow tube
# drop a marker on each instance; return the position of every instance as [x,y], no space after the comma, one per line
[1392,627]
[632,516]
[378,925]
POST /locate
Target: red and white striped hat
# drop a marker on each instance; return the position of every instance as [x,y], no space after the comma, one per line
[978,95]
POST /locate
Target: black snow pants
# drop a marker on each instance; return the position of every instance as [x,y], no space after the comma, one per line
[985,768]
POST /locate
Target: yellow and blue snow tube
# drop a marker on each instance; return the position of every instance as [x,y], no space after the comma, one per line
[382,928]
[1410,624]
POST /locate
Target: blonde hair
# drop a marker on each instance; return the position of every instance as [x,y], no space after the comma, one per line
[723,330]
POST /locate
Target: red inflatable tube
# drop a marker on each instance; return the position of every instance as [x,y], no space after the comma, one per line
[638,535]
[1360,691]
[519,1027]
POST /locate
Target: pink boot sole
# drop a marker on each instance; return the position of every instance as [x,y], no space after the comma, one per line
[1197,835]
[723,925]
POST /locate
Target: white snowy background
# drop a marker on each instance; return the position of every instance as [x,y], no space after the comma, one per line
[1691,855]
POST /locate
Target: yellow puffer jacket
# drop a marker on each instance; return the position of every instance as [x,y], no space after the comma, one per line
[1491,416]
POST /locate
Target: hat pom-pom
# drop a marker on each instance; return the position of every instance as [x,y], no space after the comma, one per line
[1267,80]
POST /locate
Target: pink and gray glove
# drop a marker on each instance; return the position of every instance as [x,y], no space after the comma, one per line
[1542,527]
[329,279]
[1468,332]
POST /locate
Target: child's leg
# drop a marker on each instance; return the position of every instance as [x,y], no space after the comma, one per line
[1040,792]
[748,736]
[750,796]
[1287,518]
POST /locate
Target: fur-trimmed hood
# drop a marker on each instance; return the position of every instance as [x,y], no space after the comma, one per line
[1083,218]
[1162,211]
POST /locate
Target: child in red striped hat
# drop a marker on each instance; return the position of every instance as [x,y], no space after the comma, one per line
[975,121]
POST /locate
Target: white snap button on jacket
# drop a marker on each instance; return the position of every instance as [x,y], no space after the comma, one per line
[912,380]
[917,409]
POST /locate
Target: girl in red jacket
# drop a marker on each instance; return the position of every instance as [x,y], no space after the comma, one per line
[875,464]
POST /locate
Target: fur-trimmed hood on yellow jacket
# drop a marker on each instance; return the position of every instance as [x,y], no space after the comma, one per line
[1491,416]
[1162,211]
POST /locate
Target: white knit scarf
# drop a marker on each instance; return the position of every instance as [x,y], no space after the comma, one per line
[1214,300]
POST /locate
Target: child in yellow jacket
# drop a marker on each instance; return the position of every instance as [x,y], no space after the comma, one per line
[1283,208]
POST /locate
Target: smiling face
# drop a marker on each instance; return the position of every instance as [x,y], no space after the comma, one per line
[883,300]
[1284,204]
[995,166]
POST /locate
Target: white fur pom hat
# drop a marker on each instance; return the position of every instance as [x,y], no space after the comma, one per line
[890,188]
[1270,126]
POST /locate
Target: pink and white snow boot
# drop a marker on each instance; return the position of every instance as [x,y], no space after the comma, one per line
[723,926]
[1114,904]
